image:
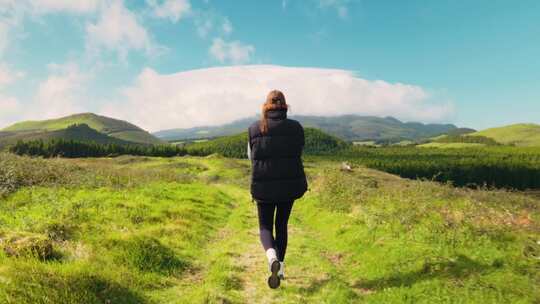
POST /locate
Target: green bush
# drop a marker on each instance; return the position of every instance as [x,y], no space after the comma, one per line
[17,172]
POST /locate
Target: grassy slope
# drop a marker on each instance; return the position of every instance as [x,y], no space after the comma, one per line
[518,134]
[450,145]
[183,230]
[112,127]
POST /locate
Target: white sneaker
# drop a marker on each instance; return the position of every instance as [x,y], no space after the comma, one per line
[273,266]
[274,279]
[271,255]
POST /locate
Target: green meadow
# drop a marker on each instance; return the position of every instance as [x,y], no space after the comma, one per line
[184,230]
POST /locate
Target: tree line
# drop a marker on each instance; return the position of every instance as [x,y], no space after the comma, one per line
[74,149]
[316,143]
[475,139]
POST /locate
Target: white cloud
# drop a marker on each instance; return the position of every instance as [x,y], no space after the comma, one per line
[72,6]
[227,26]
[10,107]
[204,26]
[4,30]
[19,8]
[62,93]
[10,16]
[172,9]
[118,30]
[219,95]
[234,52]
[7,76]
[4,36]
[211,21]
[13,13]
[341,6]
[8,104]
[204,22]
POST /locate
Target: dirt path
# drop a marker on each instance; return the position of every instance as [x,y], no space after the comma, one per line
[234,268]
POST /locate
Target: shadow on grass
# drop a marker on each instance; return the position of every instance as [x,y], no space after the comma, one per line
[110,292]
[459,268]
[315,286]
[33,282]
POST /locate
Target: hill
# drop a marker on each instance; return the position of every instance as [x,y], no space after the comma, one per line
[316,142]
[460,131]
[115,128]
[346,127]
[517,134]
[80,132]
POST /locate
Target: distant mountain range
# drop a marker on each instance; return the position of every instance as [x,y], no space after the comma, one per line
[105,130]
[347,127]
[83,127]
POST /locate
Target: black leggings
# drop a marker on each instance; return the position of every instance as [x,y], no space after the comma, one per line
[266,223]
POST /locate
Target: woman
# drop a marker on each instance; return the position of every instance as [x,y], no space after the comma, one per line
[275,149]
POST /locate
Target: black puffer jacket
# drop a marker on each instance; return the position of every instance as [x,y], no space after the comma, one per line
[277,169]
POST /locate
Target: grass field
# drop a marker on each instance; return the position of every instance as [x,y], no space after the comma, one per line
[183,230]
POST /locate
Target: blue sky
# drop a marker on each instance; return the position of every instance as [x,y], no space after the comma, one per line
[180,63]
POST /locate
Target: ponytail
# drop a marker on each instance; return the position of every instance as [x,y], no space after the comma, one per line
[274,101]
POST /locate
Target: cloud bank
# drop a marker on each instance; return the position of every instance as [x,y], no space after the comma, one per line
[218,95]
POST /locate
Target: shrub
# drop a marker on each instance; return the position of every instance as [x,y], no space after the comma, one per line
[17,172]
[26,245]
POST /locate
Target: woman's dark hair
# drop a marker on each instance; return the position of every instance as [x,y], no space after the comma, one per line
[274,101]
